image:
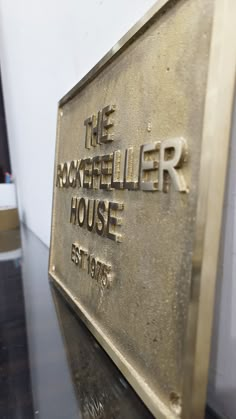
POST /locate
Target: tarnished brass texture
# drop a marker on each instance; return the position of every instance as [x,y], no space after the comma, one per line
[141,162]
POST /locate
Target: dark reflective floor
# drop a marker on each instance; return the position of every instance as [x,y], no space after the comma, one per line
[51,367]
[15,388]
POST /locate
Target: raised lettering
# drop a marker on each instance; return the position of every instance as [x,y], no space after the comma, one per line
[173,153]
[148,166]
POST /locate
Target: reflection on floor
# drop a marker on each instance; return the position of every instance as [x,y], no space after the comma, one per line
[103,391]
[51,367]
[15,387]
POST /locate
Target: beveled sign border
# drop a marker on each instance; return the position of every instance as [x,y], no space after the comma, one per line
[213,170]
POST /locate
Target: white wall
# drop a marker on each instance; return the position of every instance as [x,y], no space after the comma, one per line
[46,47]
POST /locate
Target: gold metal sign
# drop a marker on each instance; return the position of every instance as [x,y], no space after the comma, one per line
[141,161]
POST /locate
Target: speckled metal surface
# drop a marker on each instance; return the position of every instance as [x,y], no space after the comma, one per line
[158,82]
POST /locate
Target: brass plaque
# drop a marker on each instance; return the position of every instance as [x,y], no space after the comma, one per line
[141,160]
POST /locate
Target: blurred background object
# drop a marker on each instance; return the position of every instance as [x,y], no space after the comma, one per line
[9,218]
[5,164]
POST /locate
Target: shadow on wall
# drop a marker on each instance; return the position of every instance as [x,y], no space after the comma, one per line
[222,373]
